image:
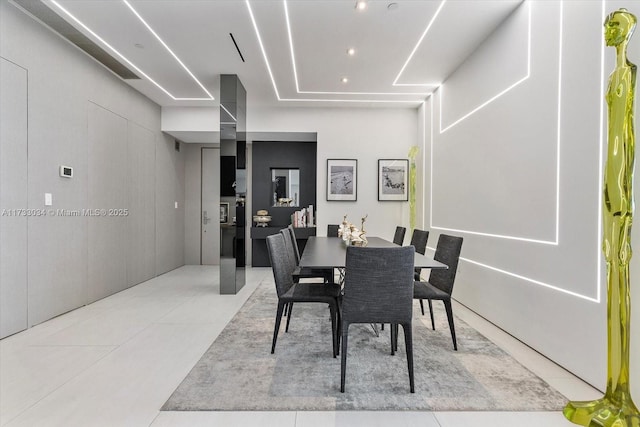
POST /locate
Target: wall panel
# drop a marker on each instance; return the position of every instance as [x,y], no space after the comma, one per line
[13,198]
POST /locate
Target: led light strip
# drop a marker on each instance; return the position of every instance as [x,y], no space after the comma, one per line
[121,56]
[170,51]
[557,225]
[229,113]
[415,48]
[275,87]
[598,289]
[475,110]
[295,71]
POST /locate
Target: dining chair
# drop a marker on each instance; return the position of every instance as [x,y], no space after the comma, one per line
[441,280]
[301,272]
[290,292]
[398,237]
[419,241]
[332,230]
[378,289]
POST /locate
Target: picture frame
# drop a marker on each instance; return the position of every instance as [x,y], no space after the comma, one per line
[342,180]
[224,212]
[393,179]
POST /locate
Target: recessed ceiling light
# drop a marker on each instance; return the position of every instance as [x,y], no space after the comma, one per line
[351,51]
[344,80]
[361,5]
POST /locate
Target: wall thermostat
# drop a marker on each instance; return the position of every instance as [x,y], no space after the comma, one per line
[66,171]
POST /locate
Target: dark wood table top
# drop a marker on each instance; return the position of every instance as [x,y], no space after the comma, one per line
[330,252]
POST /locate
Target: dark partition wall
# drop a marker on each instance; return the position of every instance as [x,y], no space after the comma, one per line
[233,179]
[280,155]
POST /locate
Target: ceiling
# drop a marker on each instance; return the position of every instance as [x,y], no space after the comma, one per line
[295,51]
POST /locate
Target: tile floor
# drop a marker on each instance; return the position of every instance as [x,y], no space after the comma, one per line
[115,362]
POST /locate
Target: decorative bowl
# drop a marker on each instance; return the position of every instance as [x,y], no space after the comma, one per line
[261,220]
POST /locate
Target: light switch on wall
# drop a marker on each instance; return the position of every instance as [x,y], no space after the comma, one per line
[176,205]
[48,199]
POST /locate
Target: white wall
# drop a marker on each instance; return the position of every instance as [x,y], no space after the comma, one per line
[81,115]
[348,133]
[519,179]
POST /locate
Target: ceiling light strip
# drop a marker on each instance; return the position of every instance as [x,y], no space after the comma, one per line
[295,70]
[475,110]
[264,53]
[433,19]
[291,50]
[167,48]
[114,50]
[275,87]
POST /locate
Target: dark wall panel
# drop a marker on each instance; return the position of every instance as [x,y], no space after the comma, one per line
[283,155]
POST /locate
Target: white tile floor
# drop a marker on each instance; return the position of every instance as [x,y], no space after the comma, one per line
[115,362]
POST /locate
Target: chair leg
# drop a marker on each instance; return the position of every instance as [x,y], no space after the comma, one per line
[422,307]
[447,306]
[433,325]
[343,358]
[334,329]
[339,326]
[408,343]
[277,326]
[290,305]
[392,332]
[395,341]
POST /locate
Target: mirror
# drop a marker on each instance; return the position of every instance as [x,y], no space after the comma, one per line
[285,187]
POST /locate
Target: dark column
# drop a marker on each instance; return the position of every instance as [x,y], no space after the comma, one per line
[233,146]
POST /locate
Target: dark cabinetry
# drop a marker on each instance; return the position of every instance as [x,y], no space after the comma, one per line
[259,254]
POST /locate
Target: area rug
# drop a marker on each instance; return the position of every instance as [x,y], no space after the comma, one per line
[239,373]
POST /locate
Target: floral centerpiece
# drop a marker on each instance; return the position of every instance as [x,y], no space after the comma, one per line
[351,235]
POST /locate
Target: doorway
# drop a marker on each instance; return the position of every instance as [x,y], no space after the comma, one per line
[210,203]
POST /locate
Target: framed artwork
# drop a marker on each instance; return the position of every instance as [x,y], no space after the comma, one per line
[342,179]
[224,213]
[393,176]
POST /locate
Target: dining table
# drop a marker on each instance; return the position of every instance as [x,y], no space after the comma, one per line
[330,252]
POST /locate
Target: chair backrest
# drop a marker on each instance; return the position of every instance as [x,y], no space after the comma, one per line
[378,285]
[398,237]
[288,244]
[332,230]
[294,242]
[447,252]
[419,240]
[281,263]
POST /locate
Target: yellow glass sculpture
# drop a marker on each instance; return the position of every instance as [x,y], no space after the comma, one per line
[413,152]
[616,408]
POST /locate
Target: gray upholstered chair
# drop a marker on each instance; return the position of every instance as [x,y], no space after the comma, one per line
[398,236]
[289,292]
[304,273]
[440,284]
[378,289]
[419,241]
[332,230]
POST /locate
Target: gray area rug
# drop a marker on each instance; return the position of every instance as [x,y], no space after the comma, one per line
[239,373]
